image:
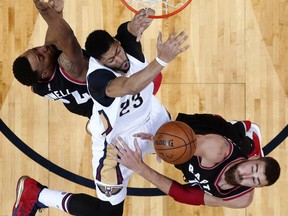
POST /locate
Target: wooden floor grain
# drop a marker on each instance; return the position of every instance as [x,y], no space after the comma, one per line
[236,67]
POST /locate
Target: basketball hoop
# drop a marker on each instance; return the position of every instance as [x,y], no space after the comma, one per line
[163,9]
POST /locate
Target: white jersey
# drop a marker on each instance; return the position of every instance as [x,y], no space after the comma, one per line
[125,112]
[126,116]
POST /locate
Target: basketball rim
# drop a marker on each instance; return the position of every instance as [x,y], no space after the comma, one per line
[163,9]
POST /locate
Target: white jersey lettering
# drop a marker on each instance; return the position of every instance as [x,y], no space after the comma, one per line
[80,99]
[60,95]
[197,180]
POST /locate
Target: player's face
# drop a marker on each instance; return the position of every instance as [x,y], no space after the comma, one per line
[42,59]
[250,173]
[116,58]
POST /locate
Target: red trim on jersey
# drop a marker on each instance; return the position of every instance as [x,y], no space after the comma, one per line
[232,189]
[51,78]
[239,195]
[247,125]
[220,174]
[66,75]
[157,83]
[219,116]
[257,147]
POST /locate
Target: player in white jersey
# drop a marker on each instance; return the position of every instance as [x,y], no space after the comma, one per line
[120,83]
[151,115]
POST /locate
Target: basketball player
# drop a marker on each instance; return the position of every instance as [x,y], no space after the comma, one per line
[218,174]
[56,70]
[120,83]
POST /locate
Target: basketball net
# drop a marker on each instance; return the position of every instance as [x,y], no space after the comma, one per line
[163,9]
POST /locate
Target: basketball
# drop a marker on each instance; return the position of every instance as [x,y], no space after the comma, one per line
[175,142]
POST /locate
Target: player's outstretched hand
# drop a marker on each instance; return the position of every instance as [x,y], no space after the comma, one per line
[42,5]
[168,50]
[140,22]
[127,157]
[57,5]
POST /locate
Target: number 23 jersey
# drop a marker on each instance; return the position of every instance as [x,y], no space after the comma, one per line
[120,113]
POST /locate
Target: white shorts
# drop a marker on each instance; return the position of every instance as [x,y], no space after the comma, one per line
[109,176]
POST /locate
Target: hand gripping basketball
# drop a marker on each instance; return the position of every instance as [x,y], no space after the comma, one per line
[175,142]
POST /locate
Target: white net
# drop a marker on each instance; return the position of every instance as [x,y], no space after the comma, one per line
[161,7]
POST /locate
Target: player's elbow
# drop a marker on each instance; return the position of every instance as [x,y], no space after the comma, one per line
[245,203]
[240,203]
[246,200]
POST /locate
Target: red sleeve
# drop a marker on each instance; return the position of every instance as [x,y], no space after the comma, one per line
[157,83]
[186,194]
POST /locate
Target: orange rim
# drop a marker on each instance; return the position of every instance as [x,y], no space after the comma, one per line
[159,16]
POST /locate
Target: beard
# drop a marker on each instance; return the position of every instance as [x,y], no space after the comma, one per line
[125,66]
[230,175]
[121,68]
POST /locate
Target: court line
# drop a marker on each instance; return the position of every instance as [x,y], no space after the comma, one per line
[16,141]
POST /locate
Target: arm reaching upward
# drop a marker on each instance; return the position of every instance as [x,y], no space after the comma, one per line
[58,6]
[167,51]
[62,36]
[140,23]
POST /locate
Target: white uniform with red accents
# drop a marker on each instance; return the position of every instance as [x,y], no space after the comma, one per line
[126,116]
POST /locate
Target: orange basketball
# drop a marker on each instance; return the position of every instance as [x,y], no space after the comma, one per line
[175,142]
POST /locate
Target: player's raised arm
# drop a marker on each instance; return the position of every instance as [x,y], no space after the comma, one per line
[140,23]
[167,51]
[62,36]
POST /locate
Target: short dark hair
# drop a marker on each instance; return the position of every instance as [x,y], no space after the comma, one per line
[23,72]
[98,42]
[272,169]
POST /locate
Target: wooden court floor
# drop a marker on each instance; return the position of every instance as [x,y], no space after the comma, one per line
[237,66]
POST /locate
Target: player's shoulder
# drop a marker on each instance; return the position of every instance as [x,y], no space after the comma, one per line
[255,134]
